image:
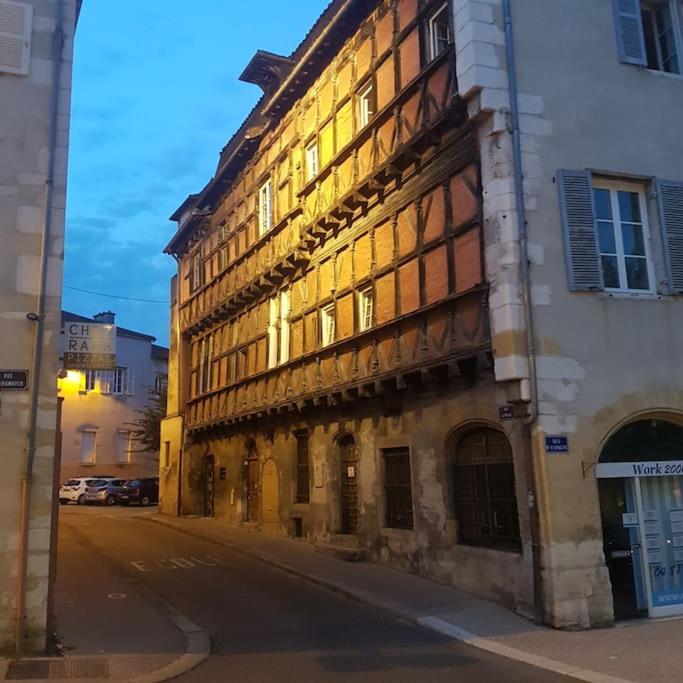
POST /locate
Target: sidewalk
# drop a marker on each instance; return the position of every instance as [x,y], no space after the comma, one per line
[110,626]
[644,651]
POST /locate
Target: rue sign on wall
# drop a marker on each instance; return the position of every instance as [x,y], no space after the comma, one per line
[13,380]
[89,346]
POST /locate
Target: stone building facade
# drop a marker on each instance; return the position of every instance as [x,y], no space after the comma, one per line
[425,310]
[36,49]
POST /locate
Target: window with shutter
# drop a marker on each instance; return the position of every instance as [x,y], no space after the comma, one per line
[130,382]
[580,235]
[670,200]
[629,28]
[16,21]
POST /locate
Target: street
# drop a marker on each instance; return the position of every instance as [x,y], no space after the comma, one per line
[264,624]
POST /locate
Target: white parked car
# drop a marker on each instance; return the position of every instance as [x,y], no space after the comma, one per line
[74,489]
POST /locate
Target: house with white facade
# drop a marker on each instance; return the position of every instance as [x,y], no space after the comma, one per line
[99,407]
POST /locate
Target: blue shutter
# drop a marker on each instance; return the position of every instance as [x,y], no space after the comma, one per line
[670,201]
[628,24]
[580,233]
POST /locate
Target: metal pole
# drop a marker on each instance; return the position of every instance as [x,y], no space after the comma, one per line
[27,476]
[539,610]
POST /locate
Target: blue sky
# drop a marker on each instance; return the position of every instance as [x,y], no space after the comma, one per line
[155,98]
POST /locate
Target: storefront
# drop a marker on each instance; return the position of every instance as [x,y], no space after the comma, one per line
[640,482]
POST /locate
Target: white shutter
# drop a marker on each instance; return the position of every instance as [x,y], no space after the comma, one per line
[16,23]
[272,331]
[670,200]
[629,27]
[284,326]
[123,447]
[88,443]
[130,381]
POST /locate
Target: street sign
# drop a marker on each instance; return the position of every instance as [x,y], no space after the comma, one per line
[556,444]
[89,346]
[506,412]
[13,380]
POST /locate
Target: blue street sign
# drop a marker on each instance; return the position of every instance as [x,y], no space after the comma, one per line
[556,444]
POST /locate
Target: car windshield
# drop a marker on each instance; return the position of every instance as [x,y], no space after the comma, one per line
[72,482]
[117,482]
[97,482]
[133,483]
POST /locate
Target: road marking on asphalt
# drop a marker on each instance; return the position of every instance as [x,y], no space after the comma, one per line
[190,562]
[117,596]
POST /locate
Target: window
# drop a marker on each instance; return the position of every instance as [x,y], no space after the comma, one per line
[123,447]
[222,258]
[620,214]
[365,309]
[160,383]
[484,486]
[439,32]
[397,488]
[204,376]
[265,207]
[302,468]
[278,329]
[327,325]
[90,380]
[366,105]
[196,272]
[649,33]
[118,384]
[311,161]
[661,36]
[606,233]
[16,24]
[88,446]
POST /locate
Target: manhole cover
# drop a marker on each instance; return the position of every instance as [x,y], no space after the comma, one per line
[45,669]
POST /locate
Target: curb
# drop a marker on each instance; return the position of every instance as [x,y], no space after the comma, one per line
[434,624]
[198,642]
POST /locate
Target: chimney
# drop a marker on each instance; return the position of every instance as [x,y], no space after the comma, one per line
[104,317]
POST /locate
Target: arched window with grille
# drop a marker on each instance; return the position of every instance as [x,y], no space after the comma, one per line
[484,487]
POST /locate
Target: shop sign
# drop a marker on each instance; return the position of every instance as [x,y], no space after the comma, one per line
[13,380]
[556,444]
[653,468]
[89,346]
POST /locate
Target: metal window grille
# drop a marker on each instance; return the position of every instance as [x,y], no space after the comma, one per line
[397,488]
[484,484]
[302,468]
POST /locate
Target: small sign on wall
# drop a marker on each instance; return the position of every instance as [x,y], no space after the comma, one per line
[506,412]
[13,380]
[556,444]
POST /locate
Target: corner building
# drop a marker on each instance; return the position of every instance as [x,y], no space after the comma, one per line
[374,347]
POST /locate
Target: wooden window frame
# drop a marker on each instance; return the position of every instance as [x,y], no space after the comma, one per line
[398,488]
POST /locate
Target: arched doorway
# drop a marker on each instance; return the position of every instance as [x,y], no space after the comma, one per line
[250,484]
[348,493]
[640,485]
[209,471]
[270,495]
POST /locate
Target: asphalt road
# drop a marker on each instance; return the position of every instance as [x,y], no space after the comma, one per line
[266,625]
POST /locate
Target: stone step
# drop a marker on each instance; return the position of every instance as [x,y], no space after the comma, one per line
[342,552]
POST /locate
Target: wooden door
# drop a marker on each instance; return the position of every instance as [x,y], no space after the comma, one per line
[349,487]
[270,494]
[251,489]
[208,485]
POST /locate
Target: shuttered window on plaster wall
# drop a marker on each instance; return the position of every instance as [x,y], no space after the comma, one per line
[16,21]
[582,252]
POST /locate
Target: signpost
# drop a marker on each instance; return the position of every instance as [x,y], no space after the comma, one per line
[89,346]
[556,444]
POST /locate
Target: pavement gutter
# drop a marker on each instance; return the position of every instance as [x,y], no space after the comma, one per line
[431,623]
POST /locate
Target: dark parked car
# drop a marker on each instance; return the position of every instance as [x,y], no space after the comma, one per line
[140,492]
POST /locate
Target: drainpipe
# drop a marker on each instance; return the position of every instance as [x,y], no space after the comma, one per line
[530,421]
[39,317]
